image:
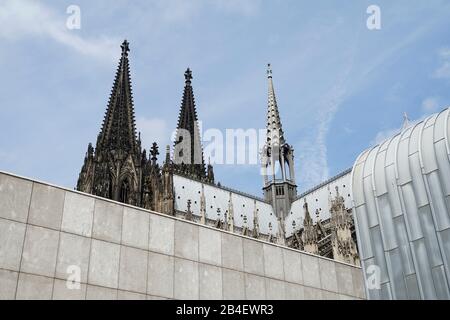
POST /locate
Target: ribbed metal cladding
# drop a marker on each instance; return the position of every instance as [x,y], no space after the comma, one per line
[401,201]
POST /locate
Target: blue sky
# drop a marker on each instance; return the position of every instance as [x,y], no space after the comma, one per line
[340,87]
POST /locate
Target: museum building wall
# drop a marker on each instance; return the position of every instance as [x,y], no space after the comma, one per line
[48,233]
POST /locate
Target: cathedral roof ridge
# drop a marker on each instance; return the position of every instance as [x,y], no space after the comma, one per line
[324,183]
[242,193]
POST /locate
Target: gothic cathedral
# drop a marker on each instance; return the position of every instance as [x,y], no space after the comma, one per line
[118,168]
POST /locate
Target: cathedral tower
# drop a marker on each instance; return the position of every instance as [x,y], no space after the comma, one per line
[114,170]
[277,160]
[188,154]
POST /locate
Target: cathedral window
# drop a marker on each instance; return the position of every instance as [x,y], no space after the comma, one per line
[124,191]
[279,191]
[110,191]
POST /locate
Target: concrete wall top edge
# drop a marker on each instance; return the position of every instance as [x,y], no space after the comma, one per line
[168,216]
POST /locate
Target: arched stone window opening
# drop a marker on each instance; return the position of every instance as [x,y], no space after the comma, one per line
[124,191]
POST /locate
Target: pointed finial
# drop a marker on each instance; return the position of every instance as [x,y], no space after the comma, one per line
[189,205]
[90,149]
[188,76]
[269,71]
[154,152]
[125,47]
[167,154]
[405,120]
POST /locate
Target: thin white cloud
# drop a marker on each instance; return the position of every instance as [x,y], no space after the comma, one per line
[7,157]
[384,135]
[430,104]
[314,166]
[242,7]
[23,19]
[390,133]
[348,130]
[443,71]
[176,11]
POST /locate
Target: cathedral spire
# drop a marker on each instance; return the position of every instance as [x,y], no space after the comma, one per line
[167,161]
[275,133]
[118,132]
[277,159]
[116,169]
[188,153]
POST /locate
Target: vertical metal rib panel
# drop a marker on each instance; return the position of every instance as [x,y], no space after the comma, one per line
[401,197]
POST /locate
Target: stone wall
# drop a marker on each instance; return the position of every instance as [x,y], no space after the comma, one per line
[125,252]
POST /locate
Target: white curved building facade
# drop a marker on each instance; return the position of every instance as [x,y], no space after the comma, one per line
[401,199]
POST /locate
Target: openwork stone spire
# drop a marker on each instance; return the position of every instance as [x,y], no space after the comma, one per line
[118,169]
[277,159]
[118,131]
[114,169]
[188,153]
[275,135]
